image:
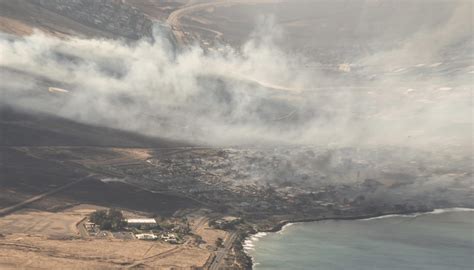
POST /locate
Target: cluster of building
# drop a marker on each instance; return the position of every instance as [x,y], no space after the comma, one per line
[115,17]
[139,228]
[279,181]
[150,224]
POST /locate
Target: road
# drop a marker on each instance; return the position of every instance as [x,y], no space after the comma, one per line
[10,209]
[174,21]
[222,252]
[82,228]
[142,262]
[175,16]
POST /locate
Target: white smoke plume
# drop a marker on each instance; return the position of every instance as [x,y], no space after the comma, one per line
[255,94]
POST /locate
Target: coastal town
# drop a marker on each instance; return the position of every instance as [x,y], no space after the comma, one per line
[232,193]
[170,134]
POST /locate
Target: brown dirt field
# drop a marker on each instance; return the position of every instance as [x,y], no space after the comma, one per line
[183,259]
[208,234]
[117,156]
[28,251]
[44,240]
[48,224]
[134,153]
[41,223]
[16,27]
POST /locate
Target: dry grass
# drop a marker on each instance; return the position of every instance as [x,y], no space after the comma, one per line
[44,240]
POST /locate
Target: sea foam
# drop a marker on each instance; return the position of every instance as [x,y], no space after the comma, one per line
[285,227]
[249,242]
[434,212]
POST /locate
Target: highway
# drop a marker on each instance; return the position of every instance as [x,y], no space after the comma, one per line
[222,252]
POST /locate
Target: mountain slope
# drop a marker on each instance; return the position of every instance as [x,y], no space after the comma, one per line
[22,128]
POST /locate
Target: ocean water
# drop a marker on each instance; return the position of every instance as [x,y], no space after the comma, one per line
[443,239]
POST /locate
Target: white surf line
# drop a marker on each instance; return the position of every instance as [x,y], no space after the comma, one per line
[434,212]
[249,241]
[282,230]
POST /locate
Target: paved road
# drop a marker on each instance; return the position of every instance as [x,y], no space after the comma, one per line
[222,252]
[175,16]
[13,208]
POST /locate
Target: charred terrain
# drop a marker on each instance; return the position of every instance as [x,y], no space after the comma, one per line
[212,174]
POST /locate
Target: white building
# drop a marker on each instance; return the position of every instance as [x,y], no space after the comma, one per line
[170,238]
[139,222]
[146,236]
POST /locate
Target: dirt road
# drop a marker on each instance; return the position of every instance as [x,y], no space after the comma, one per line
[11,209]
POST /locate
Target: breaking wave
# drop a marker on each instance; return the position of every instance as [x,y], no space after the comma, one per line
[249,242]
[435,211]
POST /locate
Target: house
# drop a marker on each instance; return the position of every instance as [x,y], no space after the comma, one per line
[90,226]
[146,236]
[170,238]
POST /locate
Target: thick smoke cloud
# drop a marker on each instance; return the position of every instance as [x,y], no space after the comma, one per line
[417,94]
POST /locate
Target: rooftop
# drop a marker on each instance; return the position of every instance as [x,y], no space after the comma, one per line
[141,220]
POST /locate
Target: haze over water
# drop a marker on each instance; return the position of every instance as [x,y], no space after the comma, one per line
[444,240]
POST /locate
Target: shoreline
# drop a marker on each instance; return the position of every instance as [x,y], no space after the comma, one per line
[282,224]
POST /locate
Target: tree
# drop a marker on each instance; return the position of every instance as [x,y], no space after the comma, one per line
[219,242]
[212,223]
[116,219]
[108,220]
[199,239]
[98,217]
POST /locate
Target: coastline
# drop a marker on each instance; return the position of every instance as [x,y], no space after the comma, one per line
[280,226]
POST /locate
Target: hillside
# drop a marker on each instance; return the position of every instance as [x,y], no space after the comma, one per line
[22,128]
